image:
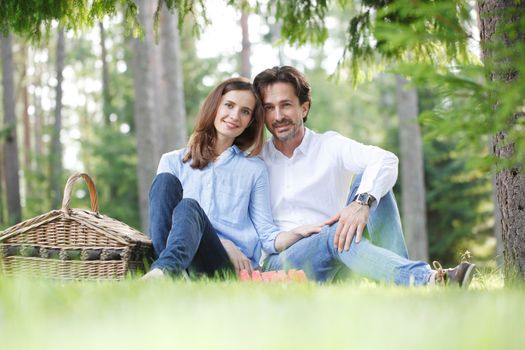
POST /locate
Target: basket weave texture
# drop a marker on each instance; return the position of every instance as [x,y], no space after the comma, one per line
[74,244]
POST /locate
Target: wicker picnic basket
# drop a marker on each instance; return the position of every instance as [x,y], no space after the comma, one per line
[73,244]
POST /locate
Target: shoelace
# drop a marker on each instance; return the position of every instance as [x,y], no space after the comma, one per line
[441,275]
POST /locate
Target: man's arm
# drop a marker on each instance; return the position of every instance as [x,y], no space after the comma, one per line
[379,169]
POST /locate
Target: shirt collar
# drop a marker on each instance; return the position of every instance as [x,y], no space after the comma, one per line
[303,147]
[236,150]
[305,143]
[228,153]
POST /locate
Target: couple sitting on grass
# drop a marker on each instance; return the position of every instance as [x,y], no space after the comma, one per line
[216,205]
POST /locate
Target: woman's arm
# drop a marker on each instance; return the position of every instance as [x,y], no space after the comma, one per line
[273,240]
[237,258]
[287,238]
[260,211]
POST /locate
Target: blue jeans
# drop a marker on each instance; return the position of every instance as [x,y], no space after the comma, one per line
[384,223]
[386,261]
[181,233]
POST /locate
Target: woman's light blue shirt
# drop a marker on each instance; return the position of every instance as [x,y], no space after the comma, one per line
[235,195]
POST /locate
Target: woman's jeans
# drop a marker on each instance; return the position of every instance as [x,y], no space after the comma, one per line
[180,231]
[383,258]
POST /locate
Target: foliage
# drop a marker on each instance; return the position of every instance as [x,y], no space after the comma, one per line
[459,206]
[307,15]
[38,200]
[459,197]
[32,18]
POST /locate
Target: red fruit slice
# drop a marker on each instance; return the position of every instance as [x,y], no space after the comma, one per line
[244,275]
[256,276]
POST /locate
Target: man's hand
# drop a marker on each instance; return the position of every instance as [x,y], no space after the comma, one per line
[352,221]
[238,259]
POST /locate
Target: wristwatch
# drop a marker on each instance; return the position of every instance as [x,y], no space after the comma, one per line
[364,199]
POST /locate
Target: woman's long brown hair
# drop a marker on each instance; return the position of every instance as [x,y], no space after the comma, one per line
[201,146]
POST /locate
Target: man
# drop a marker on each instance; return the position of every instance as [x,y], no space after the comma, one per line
[310,176]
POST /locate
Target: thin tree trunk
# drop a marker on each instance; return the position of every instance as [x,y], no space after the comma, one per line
[26,123]
[11,163]
[37,130]
[2,214]
[412,172]
[172,119]
[144,109]
[246,68]
[105,76]
[56,146]
[510,183]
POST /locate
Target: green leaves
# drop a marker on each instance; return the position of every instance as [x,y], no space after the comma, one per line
[302,21]
[32,18]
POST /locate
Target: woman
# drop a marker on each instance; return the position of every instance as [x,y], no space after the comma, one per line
[209,203]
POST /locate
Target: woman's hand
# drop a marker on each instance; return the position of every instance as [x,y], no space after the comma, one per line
[308,230]
[287,238]
[238,259]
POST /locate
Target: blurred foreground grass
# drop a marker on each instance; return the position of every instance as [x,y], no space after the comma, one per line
[176,314]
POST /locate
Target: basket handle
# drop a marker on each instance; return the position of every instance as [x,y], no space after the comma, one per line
[66,202]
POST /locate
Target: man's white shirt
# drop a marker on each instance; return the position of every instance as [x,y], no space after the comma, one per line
[313,184]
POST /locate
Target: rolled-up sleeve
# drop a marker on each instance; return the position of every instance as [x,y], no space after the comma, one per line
[378,166]
[261,214]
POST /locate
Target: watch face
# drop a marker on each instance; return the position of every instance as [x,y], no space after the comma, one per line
[364,199]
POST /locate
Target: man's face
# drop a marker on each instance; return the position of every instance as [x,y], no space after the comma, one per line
[283,114]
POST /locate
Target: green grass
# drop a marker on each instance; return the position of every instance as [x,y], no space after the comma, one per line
[175,314]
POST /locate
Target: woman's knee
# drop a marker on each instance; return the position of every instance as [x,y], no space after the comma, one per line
[188,206]
[166,183]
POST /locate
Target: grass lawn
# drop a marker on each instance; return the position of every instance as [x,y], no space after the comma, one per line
[175,314]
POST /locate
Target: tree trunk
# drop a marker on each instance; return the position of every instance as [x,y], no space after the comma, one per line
[26,122]
[11,164]
[246,68]
[412,172]
[497,224]
[510,183]
[172,119]
[1,183]
[106,107]
[144,109]
[38,145]
[56,146]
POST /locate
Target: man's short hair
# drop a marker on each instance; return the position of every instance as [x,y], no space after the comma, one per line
[285,74]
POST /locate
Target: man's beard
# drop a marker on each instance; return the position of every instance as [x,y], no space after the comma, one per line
[290,134]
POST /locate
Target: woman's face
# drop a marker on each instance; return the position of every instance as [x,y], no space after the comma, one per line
[234,114]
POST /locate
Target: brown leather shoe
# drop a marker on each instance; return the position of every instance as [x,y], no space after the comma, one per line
[460,275]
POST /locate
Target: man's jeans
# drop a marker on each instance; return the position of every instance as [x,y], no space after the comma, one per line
[180,231]
[385,260]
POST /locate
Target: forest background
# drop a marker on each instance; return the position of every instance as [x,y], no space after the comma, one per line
[109,104]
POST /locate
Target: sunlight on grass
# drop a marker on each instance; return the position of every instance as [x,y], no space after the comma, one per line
[227,315]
